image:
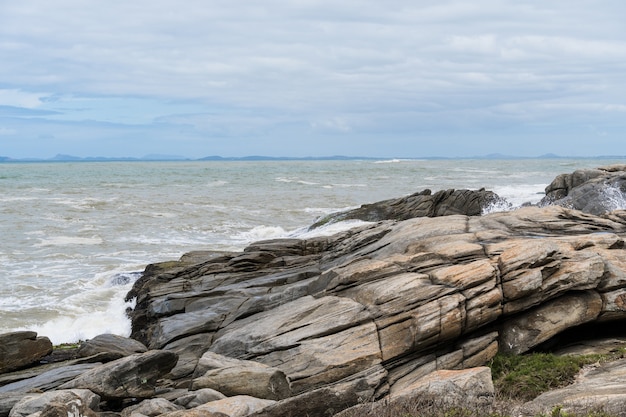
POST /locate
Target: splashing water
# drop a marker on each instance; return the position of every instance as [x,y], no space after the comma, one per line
[614,198]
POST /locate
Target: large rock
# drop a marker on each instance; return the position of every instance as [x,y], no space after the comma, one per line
[421,204]
[19,349]
[406,298]
[113,346]
[238,377]
[594,191]
[74,400]
[134,376]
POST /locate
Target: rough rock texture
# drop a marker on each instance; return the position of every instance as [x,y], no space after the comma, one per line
[421,204]
[132,376]
[238,377]
[595,191]
[19,349]
[460,388]
[406,298]
[75,398]
[113,346]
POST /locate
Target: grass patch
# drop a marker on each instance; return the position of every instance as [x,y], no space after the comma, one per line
[524,377]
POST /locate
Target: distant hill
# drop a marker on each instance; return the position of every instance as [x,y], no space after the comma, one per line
[159,157]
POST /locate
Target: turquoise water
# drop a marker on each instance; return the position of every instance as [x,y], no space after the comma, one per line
[75,235]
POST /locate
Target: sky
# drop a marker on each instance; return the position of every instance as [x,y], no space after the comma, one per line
[299,78]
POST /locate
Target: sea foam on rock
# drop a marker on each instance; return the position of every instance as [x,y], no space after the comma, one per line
[386,310]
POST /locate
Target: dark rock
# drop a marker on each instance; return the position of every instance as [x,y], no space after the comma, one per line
[19,349]
[421,204]
[133,376]
[594,191]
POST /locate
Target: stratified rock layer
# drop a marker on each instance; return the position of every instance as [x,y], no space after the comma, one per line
[392,301]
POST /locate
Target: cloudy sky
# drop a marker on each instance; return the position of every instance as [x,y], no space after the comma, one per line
[312,77]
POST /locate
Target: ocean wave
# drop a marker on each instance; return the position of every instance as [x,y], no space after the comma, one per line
[69,241]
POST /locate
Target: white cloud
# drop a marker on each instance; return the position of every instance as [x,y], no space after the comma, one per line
[334,66]
[18,98]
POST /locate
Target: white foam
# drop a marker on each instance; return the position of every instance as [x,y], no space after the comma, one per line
[69,241]
[261,233]
[614,198]
[328,229]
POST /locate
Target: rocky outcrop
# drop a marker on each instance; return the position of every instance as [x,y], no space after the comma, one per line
[397,308]
[420,204]
[595,191]
[389,303]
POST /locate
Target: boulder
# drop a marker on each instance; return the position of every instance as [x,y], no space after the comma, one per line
[198,397]
[74,400]
[420,204]
[595,191]
[113,345]
[132,376]
[19,349]
[150,408]
[238,377]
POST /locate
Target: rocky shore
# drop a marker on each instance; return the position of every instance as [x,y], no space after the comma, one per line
[416,302]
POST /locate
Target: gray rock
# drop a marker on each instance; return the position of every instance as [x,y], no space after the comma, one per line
[238,377]
[132,376]
[115,346]
[198,397]
[421,204]
[78,399]
[151,408]
[48,380]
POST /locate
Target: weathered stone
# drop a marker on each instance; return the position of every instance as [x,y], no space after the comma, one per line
[128,377]
[464,388]
[79,399]
[421,204]
[189,351]
[48,380]
[327,401]
[237,406]
[18,349]
[113,345]
[151,408]
[198,397]
[530,329]
[238,377]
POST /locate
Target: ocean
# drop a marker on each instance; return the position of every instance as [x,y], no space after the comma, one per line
[76,235]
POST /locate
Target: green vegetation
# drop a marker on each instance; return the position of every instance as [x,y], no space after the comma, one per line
[517,379]
[524,377]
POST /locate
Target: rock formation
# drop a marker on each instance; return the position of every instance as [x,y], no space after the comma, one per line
[292,327]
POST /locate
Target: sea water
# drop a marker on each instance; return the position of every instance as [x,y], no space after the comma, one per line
[74,236]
